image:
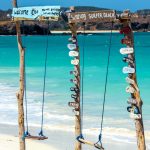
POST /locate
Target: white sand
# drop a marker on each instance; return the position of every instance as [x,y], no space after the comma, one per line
[58,140]
[87,31]
[8,142]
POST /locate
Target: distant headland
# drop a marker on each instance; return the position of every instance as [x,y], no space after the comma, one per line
[141,24]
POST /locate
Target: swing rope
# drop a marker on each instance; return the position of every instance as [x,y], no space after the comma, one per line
[105,89]
[82,80]
[44,82]
[105,92]
[25,98]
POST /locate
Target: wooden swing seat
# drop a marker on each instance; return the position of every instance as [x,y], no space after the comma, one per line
[36,137]
[98,146]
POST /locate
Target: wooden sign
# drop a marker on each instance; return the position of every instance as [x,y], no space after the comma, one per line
[93,16]
[36,13]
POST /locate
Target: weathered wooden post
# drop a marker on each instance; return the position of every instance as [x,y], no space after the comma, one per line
[135,101]
[76,81]
[20,94]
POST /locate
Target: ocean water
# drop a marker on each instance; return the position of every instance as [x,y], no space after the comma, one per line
[57,114]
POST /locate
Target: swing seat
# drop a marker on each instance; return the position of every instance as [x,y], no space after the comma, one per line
[98,146]
[36,137]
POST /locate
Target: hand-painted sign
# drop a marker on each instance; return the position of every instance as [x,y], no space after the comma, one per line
[36,13]
[95,16]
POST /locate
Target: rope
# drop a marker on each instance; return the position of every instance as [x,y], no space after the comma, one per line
[45,71]
[25,97]
[105,90]
[82,81]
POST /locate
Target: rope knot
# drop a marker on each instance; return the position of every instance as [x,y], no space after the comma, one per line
[100,138]
[80,137]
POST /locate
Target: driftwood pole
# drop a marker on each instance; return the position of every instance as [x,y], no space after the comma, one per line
[20,93]
[73,29]
[129,41]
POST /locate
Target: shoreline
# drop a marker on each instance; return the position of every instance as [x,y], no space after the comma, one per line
[86,32]
[67,32]
[93,32]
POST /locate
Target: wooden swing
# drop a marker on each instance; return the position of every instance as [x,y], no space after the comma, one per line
[108,16]
[96,145]
[72,19]
[52,16]
[31,137]
[27,135]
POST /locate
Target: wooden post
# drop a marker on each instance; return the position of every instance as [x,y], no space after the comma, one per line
[73,29]
[126,22]
[20,93]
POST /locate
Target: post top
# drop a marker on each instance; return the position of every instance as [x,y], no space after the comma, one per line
[72,8]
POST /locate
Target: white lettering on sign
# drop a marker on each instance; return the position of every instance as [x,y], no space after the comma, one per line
[92,16]
[80,16]
[101,15]
[96,15]
[36,12]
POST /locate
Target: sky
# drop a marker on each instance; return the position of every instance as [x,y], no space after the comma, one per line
[113,4]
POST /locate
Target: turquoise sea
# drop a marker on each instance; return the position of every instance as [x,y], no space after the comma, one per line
[57,114]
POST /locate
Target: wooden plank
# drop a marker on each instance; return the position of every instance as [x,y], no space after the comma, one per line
[86,142]
[91,144]
[93,16]
[41,13]
[31,137]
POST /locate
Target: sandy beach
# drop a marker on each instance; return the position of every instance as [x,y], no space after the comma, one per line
[8,142]
[58,140]
[87,31]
